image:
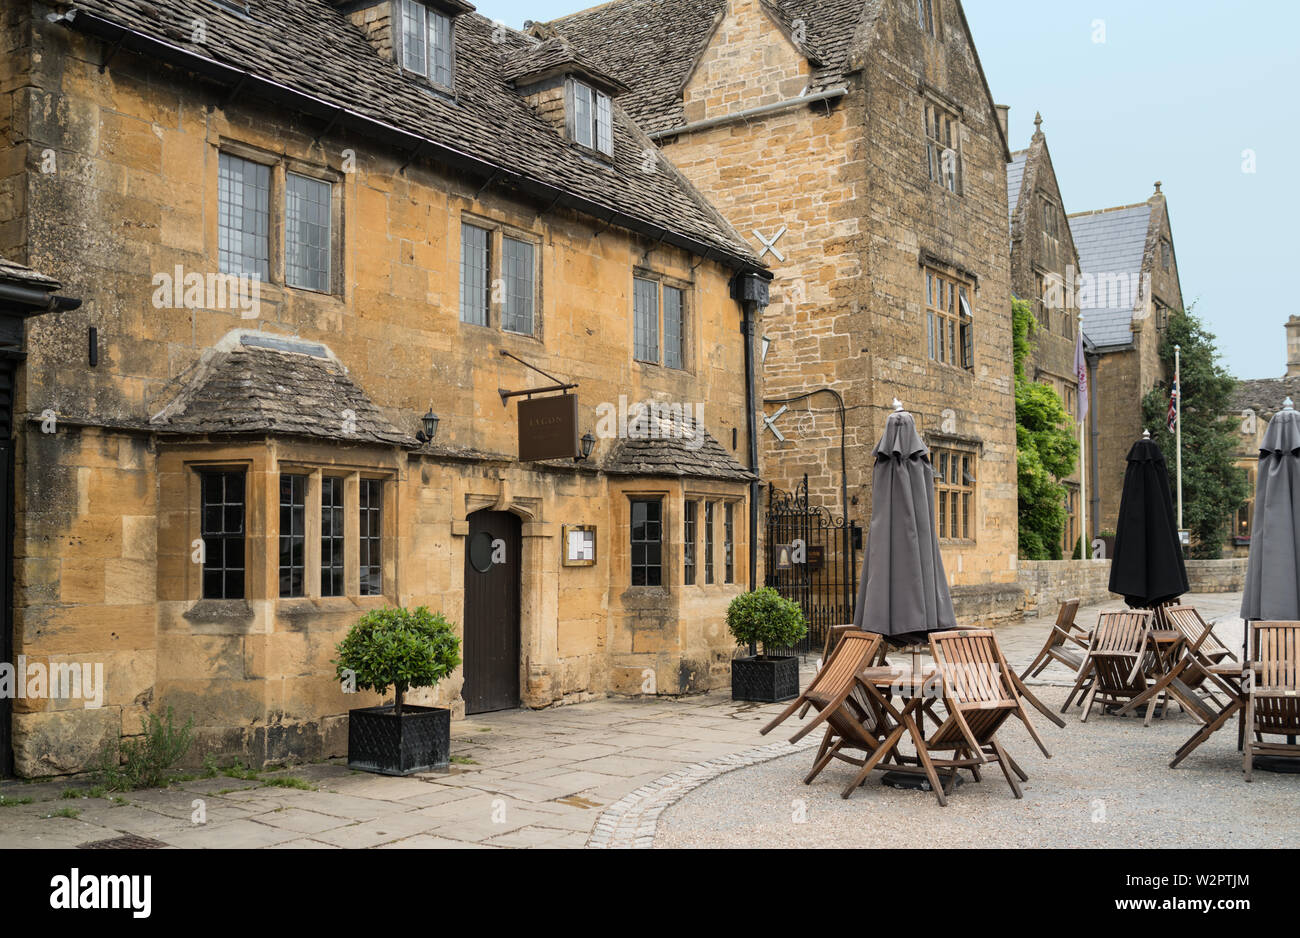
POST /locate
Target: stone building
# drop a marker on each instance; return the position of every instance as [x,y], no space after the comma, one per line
[1254,403]
[1128,287]
[298,226]
[856,144]
[24,293]
[1043,262]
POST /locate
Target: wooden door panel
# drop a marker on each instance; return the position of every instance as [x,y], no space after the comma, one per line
[492,581]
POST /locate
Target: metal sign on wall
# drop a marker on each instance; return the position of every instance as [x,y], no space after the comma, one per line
[548,428]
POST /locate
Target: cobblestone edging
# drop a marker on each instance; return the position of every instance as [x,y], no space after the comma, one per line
[629,823]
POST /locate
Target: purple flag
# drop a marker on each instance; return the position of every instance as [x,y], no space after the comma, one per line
[1081,372]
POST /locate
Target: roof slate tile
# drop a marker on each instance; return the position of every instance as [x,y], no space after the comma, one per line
[314,49]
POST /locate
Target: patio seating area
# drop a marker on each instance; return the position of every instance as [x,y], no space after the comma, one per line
[695,771]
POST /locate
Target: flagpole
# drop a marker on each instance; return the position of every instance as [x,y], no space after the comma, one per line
[1081,407]
[1084,544]
[1178,433]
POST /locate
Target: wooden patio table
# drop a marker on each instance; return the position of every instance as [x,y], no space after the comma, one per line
[919,694]
[1164,647]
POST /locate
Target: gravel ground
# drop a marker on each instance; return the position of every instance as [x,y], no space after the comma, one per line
[1108,785]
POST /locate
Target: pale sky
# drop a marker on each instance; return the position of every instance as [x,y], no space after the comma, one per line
[1169,90]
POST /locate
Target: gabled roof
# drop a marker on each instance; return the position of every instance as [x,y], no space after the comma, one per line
[653,45]
[308,56]
[556,55]
[264,384]
[1111,241]
[1015,176]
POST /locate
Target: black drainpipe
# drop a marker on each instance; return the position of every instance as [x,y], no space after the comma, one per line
[750,290]
[1094,520]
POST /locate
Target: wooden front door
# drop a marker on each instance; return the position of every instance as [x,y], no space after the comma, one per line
[491,649]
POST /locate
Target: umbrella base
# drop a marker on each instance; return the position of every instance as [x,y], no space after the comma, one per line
[1279,765]
[909,781]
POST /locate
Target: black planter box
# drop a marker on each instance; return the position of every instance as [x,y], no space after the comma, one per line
[764,680]
[417,741]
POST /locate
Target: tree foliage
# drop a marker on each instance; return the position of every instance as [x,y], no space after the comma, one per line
[1046,449]
[398,648]
[1214,488]
[766,618]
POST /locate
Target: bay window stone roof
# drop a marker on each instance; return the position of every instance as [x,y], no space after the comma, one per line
[264,385]
[671,454]
[13,272]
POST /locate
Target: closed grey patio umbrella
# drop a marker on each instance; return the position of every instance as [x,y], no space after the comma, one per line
[1273,576]
[903,594]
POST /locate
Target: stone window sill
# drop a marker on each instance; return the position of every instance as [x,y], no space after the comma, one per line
[235,612]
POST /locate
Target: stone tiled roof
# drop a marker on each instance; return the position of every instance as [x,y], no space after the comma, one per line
[13,272]
[653,45]
[293,389]
[1015,176]
[313,49]
[1265,395]
[1112,241]
[676,455]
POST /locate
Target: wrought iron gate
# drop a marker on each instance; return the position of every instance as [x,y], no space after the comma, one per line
[812,560]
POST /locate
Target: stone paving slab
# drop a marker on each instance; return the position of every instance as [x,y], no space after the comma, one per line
[603,772]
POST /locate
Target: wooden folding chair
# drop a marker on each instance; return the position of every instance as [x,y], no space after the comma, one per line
[1273,708]
[852,723]
[1201,651]
[1116,662]
[1200,638]
[980,694]
[833,636]
[1063,635]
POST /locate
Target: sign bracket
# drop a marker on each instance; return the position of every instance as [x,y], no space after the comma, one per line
[558,386]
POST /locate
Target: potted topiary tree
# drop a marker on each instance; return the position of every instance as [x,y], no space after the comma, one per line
[764,619]
[403,650]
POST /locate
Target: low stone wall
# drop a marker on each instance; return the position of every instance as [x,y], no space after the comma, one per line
[1045,583]
[1217,576]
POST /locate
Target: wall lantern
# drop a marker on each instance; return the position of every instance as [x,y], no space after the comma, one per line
[588,444]
[430,421]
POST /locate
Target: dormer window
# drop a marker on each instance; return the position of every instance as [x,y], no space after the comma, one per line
[426,45]
[590,117]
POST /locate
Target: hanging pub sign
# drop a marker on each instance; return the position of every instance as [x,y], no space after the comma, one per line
[548,428]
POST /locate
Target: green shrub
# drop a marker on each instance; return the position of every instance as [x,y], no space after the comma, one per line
[145,762]
[765,618]
[398,648]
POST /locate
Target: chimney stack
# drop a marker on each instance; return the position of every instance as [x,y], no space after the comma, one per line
[1004,118]
[1293,347]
